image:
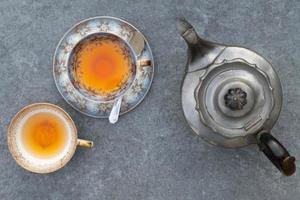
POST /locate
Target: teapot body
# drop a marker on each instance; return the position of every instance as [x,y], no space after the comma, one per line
[190,96]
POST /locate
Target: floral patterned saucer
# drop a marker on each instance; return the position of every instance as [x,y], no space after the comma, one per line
[81,101]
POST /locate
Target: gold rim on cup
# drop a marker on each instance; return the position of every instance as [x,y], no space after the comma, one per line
[23,161]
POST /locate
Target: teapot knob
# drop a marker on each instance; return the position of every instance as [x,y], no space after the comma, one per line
[235,98]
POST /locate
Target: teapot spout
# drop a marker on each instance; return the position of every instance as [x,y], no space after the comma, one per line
[201,52]
[187,31]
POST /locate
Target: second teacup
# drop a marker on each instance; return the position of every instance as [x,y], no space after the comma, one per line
[42,138]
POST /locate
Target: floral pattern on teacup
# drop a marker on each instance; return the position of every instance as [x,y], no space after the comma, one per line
[124,105]
[126,32]
[81,103]
[83,29]
[69,89]
[146,72]
[104,26]
[105,107]
[67,47]
[137,87]
[62,68]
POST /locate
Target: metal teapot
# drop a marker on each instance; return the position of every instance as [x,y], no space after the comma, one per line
[231,97]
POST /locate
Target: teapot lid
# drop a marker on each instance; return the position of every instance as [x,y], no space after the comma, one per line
[234,97]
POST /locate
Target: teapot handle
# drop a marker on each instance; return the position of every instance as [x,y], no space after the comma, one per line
[276,153]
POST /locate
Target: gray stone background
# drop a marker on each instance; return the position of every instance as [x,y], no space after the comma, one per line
[151,153]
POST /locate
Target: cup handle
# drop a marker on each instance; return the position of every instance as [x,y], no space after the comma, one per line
[85,143]
[144,62]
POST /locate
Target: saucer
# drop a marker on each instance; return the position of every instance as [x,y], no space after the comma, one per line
[83,102]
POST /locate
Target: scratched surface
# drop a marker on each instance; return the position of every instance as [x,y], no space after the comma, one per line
[151,153]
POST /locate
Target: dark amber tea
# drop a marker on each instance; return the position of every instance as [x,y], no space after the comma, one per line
[102,64]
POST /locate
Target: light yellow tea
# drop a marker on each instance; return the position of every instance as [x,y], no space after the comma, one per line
[102,64]
[44,135]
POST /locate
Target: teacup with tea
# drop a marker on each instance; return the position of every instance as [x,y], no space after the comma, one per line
[103,67]
[42,138]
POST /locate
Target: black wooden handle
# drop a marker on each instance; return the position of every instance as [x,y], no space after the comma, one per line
[276,153]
